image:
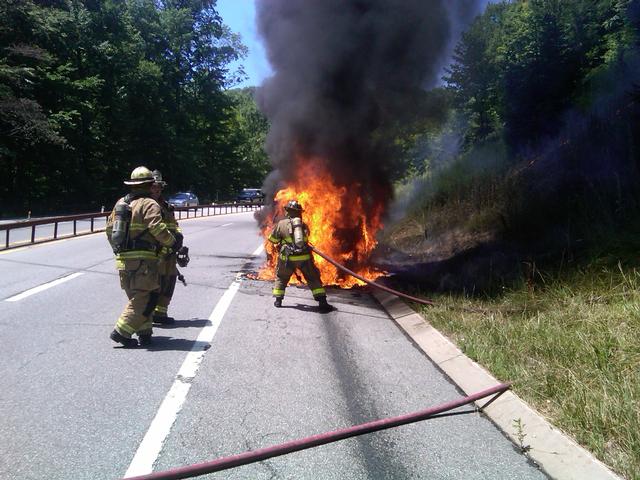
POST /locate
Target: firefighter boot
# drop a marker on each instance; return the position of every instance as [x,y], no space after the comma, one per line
[324,305]
[145,340]
[163,320]
[126,342]
[277,302]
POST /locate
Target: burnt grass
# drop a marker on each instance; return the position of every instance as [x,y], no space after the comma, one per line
[488,264]
[478,269]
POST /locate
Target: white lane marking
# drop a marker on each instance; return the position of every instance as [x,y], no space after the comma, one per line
[258,250]
[32,291]
[226,224]
[151,446]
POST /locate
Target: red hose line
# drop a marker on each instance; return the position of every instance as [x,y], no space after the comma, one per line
[369,282]
[245,458]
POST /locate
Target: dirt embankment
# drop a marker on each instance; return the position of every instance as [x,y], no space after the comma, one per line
[452,261]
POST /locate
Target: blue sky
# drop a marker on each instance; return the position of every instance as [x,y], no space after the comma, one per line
[240,16]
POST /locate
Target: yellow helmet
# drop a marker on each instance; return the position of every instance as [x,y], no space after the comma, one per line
[140,176]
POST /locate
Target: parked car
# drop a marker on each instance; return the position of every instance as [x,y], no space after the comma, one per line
[183,199]
[250,195]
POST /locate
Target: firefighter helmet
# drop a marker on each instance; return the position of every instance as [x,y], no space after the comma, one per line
[140,176]
[157,178]
[293,206]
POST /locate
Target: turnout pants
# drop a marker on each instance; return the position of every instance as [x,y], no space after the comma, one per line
[286,268]
[168,275]
[140,281]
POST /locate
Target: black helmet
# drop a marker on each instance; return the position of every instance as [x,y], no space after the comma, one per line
[293,206]
[157,178]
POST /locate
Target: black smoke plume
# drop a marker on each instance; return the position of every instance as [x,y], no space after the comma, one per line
[345,71]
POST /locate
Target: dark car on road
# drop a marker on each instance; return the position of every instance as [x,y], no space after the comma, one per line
[183,199]
[250,195]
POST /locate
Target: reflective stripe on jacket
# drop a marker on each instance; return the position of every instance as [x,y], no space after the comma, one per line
[283,232]
[147,227]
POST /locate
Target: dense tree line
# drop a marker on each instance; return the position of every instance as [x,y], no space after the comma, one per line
[523,64]
[542,137]
[91,88]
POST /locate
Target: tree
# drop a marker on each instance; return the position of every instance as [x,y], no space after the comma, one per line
[90,89]
[476,74]
[250,129]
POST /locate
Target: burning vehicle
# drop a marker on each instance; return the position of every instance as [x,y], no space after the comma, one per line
[346,74]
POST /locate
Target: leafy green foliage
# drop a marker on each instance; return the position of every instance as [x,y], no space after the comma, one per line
[249,127]
[545,104]
[521,65]
[91,89]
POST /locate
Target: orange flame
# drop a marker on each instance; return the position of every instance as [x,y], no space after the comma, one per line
[339,225]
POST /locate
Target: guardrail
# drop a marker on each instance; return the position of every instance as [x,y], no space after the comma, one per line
[55,228]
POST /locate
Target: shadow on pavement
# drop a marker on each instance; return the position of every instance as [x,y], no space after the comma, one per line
[307,308]
[161,344]
[194,322]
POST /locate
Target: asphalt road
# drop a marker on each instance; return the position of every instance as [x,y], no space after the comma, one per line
[75,406]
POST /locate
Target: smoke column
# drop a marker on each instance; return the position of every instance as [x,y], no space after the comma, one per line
[344,71]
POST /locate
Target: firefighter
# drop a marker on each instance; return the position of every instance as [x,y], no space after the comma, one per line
[167,268]
[292,234]
[137,233]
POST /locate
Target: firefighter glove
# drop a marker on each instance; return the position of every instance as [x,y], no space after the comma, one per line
[177,245]
[183,256]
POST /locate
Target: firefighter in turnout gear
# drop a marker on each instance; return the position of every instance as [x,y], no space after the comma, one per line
[137,234]
[167,268]
[292,235]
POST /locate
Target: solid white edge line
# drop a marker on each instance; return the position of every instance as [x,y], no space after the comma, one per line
[258,250]
[153,441]
[45,286]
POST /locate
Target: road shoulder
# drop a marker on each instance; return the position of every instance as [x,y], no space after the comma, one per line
[557,454]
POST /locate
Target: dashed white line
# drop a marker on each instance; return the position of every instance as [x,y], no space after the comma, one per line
[154,439]
[226,224]
[40,288]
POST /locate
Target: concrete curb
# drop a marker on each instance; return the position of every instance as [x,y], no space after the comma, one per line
[558,455]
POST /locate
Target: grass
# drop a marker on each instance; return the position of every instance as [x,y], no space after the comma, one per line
[570,344]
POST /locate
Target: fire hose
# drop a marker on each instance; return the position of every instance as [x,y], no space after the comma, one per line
[369,282]
[245,458]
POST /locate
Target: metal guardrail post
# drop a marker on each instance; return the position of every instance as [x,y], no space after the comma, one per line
[91,217]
